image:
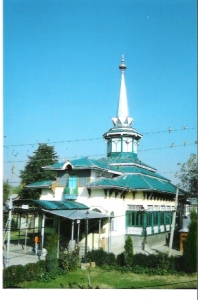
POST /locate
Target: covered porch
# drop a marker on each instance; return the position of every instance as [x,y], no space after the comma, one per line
[74,223]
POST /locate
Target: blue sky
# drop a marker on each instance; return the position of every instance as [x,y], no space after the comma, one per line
[61,78]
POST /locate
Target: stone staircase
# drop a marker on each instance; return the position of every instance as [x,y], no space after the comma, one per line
[82,250]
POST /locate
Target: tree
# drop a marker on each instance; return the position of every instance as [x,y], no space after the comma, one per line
[52,264]
[16,189]
[6,190]
[190,245]
[128,253]
[188,175]
[33,171]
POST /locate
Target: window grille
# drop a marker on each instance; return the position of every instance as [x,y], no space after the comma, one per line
[135,207]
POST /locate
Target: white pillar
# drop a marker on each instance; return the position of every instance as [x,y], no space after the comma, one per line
[72,231]
[99,242]
[19,230]
[8,236]
[58,244]
[26,227]
[173,222]
[78,232]
[109,234]
[42,231]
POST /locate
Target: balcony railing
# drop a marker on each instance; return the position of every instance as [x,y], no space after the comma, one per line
[70,193]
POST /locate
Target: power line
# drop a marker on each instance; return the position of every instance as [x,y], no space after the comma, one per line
[97,138]
[102,154]
[171,146]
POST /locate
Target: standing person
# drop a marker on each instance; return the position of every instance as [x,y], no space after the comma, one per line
[36,242]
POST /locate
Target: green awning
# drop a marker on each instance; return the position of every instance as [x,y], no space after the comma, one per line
[78,214]
[51,205]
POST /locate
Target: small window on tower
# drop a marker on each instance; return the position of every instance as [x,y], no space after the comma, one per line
[127,145]
[116,145]
[135,146]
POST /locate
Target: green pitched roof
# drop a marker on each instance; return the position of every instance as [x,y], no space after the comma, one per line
[130,174]
[135,182]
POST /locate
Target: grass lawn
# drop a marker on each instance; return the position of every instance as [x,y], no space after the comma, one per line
[115,280]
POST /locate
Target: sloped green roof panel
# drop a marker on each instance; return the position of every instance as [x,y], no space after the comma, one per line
[60,204]
[83,162]
[135,182]
[137,170]
[132,182]
[160,185]
[57,166]
[102,182]
[40,184]
[52,205]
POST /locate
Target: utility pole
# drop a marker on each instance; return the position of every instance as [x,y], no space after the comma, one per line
[9,207]
[173,222]
[86,236]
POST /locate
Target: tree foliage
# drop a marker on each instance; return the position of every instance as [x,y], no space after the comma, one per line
[188,175]
[33,172]
[6,190]
[190,246]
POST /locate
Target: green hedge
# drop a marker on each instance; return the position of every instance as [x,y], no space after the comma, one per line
[100,257]
[16,274]
[159,261]
[43,270]
[35,271]
[160,264]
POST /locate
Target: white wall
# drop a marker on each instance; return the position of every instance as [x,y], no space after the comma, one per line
[47,194]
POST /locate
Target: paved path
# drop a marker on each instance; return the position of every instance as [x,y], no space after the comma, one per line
[18,255]
[162,249]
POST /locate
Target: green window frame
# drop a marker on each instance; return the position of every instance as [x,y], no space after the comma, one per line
[134,218]
[150,218]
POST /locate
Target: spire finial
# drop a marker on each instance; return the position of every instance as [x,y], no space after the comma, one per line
[122,66]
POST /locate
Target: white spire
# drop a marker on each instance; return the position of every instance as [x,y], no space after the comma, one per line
[122,118]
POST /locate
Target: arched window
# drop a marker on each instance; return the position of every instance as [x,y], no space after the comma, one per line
[97,210]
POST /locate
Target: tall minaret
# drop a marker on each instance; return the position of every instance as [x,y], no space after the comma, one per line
[122,139]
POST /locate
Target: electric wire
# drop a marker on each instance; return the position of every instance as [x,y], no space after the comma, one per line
[96,138]
[101,154]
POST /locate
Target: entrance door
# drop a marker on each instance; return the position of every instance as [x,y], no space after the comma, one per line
[103,243]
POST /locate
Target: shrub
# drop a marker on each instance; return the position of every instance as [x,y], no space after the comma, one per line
[52,264]
[128,253]
[16,274]
[68,260]
[100,257]
[13,275]
[35,271]
[140,260]
[120,259]
[190,246]
[161,260]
